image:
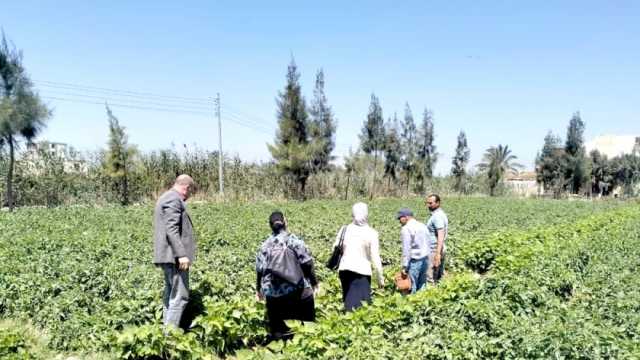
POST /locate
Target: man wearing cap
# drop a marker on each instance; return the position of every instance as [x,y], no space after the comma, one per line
[415,249]
[438,227]
[174,247]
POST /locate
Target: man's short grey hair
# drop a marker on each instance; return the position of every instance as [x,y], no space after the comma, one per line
[184,179]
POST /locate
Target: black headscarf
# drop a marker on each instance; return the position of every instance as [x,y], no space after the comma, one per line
[276,222]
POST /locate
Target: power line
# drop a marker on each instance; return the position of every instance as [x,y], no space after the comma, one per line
[238,112]
[117,91]
[259,121]
[124,95]
[269,131]
[252,123]
[186,103]
[176,111]
[183,106]
[128,106]
[234,117]
[250,120]
[147,101]
[244,123]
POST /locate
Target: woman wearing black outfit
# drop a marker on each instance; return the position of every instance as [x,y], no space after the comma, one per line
[281,258]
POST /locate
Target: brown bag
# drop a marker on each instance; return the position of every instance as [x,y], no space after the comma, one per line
[403,282]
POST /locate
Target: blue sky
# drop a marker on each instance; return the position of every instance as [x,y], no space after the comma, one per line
[505,72]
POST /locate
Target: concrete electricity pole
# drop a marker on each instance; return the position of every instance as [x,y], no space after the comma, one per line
[220,157]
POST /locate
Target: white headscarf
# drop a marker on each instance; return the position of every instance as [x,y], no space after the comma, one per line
[360,213]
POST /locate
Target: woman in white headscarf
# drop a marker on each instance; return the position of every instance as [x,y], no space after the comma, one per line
[360,249]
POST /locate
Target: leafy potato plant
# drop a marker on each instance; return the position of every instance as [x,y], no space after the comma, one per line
[84,276]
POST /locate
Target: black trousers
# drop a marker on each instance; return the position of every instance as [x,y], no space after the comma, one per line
[289,307]
[356,289]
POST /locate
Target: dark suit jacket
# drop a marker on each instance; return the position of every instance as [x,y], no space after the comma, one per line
[173,235]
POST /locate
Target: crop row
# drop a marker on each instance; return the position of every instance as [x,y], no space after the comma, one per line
[83,275]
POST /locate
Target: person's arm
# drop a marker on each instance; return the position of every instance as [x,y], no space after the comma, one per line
[335,244]
[375,258]
[309,272]
[259,271]
[305,259]
[405,238]
[258,282]
[440,228]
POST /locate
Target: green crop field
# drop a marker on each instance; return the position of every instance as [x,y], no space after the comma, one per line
[525,279]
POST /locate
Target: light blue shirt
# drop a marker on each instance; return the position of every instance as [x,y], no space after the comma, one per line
[415,243]
[437,221]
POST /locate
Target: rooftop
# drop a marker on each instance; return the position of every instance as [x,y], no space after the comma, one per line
[612,145]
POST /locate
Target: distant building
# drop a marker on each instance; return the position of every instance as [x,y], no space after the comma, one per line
[35,153]
[524,184]
[614,145]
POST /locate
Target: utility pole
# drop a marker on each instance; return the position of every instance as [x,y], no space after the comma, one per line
[220,157]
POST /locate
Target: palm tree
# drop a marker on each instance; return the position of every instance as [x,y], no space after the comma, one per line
[496,162]
[22,113]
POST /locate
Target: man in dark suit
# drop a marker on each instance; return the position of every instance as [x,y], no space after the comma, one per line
[174,247]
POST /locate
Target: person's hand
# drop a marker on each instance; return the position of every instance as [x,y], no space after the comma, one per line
[436,260]
[259,296]
[381,282]
[183,263]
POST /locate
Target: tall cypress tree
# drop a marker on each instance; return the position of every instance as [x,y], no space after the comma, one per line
[292,149]
[392,150]
[576,172]
[460,161]
[323,127]
[427,155]
[550,165]
[350,168]
[119,158]
[409,145]
[372,136]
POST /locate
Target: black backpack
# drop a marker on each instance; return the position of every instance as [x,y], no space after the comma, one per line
[282,263]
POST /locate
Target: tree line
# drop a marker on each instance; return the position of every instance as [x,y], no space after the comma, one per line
[395,157]
[568,169]
[305,140]
[405,154]
[399,151]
